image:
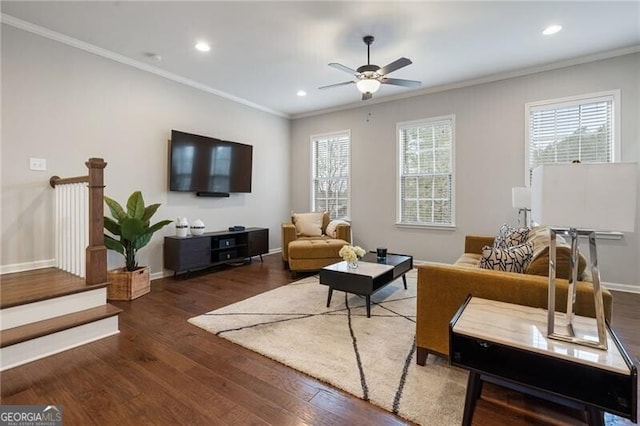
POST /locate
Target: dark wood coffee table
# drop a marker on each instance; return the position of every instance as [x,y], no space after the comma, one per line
[370,275]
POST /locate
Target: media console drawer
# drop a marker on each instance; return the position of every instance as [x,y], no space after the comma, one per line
[227,255]
[226,242]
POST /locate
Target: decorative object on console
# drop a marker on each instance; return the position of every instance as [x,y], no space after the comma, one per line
[351,254]
[197,227]
[577,200]
[182,227]
[133,231]
[381,253]
[521,200]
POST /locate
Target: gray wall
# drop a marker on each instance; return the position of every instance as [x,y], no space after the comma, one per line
[489,158]
[66,105]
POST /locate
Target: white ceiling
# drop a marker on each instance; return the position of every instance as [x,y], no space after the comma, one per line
[263,52]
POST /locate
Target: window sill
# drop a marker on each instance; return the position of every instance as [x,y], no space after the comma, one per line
[421,226]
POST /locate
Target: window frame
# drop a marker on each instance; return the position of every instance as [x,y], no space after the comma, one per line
[313,138]
[557,103]
[415,123]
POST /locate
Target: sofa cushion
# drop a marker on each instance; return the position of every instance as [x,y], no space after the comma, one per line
[539,236]
[308,224]
[469,260]
[511,259]
[508,236]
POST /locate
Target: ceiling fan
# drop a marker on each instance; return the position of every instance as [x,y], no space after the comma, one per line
[369,77]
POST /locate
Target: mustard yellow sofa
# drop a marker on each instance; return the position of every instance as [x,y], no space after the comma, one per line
[441,290]
[302,252]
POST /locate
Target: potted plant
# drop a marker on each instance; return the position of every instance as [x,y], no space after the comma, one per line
[130,231]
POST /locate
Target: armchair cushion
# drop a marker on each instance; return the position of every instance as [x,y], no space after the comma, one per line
[308,224]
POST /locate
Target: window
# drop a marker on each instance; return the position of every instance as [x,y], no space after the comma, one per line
[426,178]
[564,130]
[331,167]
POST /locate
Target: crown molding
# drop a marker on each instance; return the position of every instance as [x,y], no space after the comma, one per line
[70,41]
[87,47]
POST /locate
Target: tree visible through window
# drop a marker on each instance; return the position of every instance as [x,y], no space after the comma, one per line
[426,172]
[331,173]
[578,129]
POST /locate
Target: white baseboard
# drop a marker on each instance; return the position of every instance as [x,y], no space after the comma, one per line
[27,266]
[627,288]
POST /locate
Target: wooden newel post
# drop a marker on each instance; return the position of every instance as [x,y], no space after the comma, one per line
[96,253]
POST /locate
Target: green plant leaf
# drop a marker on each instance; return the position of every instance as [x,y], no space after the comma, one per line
[113,244]
[116,209]
[142,240]
[112,226]
[150,211]
[135,205]
[157,226]
[132,228]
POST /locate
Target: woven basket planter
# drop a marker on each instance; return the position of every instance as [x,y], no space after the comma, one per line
[126,285]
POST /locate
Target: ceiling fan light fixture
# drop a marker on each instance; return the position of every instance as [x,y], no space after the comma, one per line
[552,29]
[368,85]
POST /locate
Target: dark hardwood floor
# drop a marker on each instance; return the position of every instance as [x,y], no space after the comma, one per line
[161,370]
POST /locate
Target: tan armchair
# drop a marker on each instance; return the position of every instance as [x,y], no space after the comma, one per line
[312,252]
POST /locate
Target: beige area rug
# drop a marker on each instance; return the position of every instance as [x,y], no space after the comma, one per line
[371,358]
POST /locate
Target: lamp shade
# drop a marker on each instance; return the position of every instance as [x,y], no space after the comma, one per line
[521,197]
[368,85]
[596,196]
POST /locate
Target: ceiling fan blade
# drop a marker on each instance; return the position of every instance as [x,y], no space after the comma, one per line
[395,65]
[401,82]
[337,85]
[344,68]
[367,95]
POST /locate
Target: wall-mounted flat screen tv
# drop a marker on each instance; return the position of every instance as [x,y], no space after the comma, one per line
[208,165]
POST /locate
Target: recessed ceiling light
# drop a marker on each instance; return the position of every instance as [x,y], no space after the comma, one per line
[552,29]
[301,93]
[202,46]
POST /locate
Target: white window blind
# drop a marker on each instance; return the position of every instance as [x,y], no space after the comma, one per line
[426,178]
[581,129]
[331,167]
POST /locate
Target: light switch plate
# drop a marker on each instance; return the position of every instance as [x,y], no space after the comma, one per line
[37,164]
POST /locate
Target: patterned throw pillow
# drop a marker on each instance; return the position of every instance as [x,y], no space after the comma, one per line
[508,236]
[511,259]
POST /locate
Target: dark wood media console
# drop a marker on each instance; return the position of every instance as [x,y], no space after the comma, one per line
[185,254]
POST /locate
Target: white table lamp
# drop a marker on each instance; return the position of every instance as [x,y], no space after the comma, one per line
[579,199]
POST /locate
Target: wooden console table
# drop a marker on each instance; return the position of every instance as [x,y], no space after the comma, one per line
[507,344]
[185,254]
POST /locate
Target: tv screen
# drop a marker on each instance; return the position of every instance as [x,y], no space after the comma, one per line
[208,165]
